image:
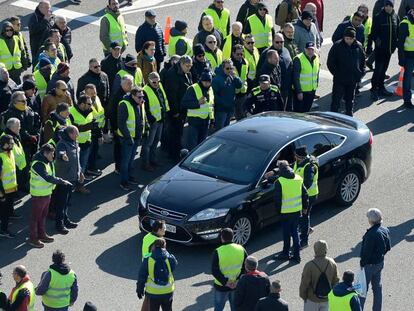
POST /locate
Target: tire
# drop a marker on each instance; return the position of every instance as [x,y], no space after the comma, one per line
[349,187]
[242,229]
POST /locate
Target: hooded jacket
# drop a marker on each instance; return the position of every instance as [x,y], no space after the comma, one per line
[250,288]
[224,87]
[303,35]
[384,32]
[39,28]
[312,271]
[22,299]
[343,289]
[147,32]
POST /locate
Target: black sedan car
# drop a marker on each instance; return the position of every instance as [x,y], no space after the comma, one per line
[221,183]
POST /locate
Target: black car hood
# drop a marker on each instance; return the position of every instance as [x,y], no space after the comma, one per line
[188,192]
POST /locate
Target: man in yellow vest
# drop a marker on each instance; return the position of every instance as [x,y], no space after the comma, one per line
[252,56]
[156,278]
[57,121]
[291,199]
[220,15]
[241,69]
[236,37]
[58,285]
[42,76]
[42,183]
[129,67]
[156,108]
[22,296]
[11,52]
[17,26]
[131,128]
[343,296]
[112,27]
[179,44]
[227,267]
[199,102]
[306,68]
[8,184]
[260,25]
[213,52]
[307,167]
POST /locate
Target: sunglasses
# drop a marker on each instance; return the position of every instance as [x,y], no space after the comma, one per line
[9,30]
[279,42]
[97,66]
[212,42]
[155,81]
[250,43]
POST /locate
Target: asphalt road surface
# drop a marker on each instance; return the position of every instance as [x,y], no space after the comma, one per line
[105,249]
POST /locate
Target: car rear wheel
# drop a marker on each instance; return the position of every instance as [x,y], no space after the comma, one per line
[348,188]
[242,229]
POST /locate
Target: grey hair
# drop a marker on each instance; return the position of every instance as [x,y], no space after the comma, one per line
[207,17]
[153,75]
[60,18]
[227,61]
[12,122]
[251,263]
[237,24]
[374,216]
[127,78]
[185,59]
[15,96]
[289,25]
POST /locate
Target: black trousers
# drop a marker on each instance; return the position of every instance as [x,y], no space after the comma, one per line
[304,105]
[93,155]
[175,129]
[62,196]
[164,303]
[382,61]
[6,209]
[347,92]
[117,152]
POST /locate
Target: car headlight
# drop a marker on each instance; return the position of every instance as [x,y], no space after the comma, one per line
[210,213]
[144,196]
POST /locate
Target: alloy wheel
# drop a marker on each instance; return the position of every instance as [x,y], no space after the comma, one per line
[350,187]
[242,230]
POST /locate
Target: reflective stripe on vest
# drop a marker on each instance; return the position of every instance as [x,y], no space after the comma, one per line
[32,296]
[261,33]
[206,110]
[19,155]
[38,186]
[221,22]
[58,294]
[409,40]
[243,77]
[79,119]
[131,122]
[138,79]
[117,31]
[154,103]
[8,172]
[309,75]
[291,194]
[173,44]
[11,61]
[98,112]
[252,59]
[257,90]
[231,257]
[156,289]
[215,61]
[337,303]
[300,170]
[148,240]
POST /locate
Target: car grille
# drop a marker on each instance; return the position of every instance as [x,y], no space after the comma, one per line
[165,213]
[181,235]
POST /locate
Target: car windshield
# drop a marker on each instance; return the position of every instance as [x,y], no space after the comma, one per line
[227,160]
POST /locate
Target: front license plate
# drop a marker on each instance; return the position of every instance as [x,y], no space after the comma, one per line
[171,228]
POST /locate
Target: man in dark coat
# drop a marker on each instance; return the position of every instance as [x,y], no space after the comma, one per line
[208,29]
[200,62]
[271,68]
[150,30]
[62,74]
[65,33]
[246,10]
[39,26]
[7,85]
[355,22]
[112,63]
[273,301]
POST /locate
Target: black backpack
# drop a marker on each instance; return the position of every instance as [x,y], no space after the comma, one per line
[323,286]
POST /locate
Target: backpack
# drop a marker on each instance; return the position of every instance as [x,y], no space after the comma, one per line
[161,272]
[323,286]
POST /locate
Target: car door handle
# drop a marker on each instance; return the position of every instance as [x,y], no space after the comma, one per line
[337,162]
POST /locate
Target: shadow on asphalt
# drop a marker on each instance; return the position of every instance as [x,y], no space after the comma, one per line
[391,120]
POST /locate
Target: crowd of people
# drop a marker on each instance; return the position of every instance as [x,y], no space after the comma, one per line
[52,129]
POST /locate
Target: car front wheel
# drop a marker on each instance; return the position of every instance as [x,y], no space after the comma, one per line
[348,188]
[242,229]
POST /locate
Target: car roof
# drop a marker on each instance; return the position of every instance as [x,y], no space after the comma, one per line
[271,130]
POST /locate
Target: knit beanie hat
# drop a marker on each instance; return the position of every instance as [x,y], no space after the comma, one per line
[180,25]
[62,67]
[28,85]
[306,15]
[389,2]
[198,49]
[44,62]
[350,32]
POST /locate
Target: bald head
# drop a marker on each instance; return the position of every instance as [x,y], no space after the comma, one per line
[278,41]
[310,7]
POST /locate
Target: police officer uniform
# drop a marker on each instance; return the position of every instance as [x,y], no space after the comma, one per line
[264,100]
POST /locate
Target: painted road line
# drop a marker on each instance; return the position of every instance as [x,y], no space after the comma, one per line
[141,4]
[84,18]
[125,12]
[327,41]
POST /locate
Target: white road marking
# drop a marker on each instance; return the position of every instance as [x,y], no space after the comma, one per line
[141,4]
[327,41]
[158,6]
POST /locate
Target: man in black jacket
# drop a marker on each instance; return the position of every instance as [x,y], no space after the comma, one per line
[150,30]
[271,68]
[62,73]
[273,301]
[355,22]
[7,85]
[200,62]
[112,63]
[346,62]
[384,33]
[246,10]
[39,26]
[65,33]
[375,244]
[251,287]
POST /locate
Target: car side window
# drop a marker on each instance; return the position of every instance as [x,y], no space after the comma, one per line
[334,139]
[317,144]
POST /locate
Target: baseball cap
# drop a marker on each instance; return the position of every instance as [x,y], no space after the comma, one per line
[264,78]
[150,13]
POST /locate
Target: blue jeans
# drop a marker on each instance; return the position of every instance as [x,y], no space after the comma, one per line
[222,119]
[85,150]
[220,299]
[151,142]
[197,131]
[373,276]
[408,72]
[290,224]
[128,153]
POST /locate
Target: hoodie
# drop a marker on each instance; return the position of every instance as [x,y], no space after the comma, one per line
[343,289]
[158,254]
[224,87]
[43,286]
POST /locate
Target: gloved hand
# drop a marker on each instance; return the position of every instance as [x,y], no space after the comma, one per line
[140,293]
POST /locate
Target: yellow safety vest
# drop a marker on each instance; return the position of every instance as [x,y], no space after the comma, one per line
[409,41]
[131,119]
[173,43]
[29,286]
[253,60]
[40,83]
[221,22]
[58,294]
[206,110]
[243,76]
[79,119]
[38,186]
[257,90]
[215,61]
[367,29]
[291,194]
[8,172]
[231,259]
[156,289]
[261,33]
[148,240]
[117,31]
[19,155]
[154,103]
[228,47]
[300,170]
[337,303]
[138,79]
[56,126]
[98,112]
[11,61]
[62,51]
[309,73]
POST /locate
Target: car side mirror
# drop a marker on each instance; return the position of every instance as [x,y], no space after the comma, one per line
[183,153]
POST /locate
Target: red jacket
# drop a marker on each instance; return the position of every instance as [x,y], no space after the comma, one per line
[23,298]
[319,10]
